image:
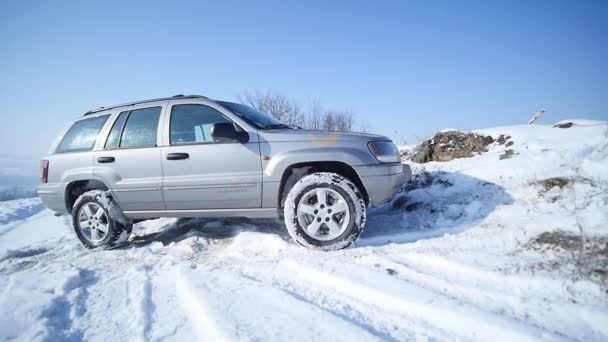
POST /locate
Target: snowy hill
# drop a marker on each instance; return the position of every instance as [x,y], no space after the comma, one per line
[478,248]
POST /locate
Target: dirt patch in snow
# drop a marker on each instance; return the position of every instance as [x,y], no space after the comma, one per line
[504,139]
[581,259]
[559,239]
[446,146]
[552,188]
[507,154]
[553,182]
[561,182]
[563,125]
[424,179]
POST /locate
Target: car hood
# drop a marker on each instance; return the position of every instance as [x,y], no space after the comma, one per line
[276,135]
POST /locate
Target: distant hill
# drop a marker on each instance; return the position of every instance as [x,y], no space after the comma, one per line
[18,176]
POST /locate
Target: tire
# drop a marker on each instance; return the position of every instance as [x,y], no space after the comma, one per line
[309,217]
[100,212]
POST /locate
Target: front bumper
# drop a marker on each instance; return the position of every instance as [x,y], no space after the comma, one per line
[383,181]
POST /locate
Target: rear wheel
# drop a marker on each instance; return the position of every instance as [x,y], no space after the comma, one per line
[325,211]
[98,222]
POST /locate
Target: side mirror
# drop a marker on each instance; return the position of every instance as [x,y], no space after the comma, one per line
[225,131]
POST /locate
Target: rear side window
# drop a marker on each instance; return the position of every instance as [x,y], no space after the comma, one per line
[192,123]
[136,128]
[82,135]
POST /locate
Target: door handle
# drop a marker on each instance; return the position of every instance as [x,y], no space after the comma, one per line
[105,159]
[177,156]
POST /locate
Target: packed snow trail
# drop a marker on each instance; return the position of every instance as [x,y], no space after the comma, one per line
[454,258]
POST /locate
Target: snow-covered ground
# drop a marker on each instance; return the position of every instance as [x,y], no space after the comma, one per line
[476,249]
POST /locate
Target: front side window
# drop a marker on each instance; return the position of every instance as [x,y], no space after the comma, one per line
[140,128]
[192,123]
[82,135]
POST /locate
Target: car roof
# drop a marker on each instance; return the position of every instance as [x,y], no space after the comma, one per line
[174,97]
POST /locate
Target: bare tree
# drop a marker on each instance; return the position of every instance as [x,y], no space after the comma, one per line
[294,116]
[313,120]
[277,105]
[343,120]
[329,122]
[289,112]
[364,127]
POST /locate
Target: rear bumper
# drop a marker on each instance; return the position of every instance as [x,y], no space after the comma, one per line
[383,181]
[52,195]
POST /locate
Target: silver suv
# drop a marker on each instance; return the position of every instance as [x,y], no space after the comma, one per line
[190,156]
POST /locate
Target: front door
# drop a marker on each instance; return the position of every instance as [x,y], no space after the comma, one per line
[130,161]
[202,172]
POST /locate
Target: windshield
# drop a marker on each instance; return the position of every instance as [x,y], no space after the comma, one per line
[258,119]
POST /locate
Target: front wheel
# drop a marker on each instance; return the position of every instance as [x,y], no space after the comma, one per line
[325,211]
[99,222]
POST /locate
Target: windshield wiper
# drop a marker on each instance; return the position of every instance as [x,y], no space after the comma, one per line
[276,126]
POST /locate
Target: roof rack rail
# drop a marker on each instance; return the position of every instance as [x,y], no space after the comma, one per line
[180,96]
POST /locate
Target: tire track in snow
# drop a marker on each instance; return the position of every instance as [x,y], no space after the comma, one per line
[349,314]
[229,305]
[18,260]
[198,311]
[59,315]
[395,327]
[470,286]
[417,304]
[288,305]
[139,304]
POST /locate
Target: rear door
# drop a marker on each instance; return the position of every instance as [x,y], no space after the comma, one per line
[209,174]
[130,159]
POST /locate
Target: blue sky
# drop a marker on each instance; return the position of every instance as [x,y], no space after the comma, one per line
[411,66]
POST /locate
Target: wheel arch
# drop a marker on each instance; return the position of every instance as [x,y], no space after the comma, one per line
[77,187]
[295,172]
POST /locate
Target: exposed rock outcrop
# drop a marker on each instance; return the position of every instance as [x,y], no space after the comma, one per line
[445,146]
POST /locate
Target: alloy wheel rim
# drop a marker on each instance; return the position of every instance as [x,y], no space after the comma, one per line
[93,222]
[323,214]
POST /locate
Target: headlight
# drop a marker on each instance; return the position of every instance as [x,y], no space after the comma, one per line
[384,151]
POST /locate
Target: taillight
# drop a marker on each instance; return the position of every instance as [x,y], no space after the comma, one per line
[44,171]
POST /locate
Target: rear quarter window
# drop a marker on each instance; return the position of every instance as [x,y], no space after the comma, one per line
[82,135]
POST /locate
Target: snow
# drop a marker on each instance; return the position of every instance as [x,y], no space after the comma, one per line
[11,211]
[450,260]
